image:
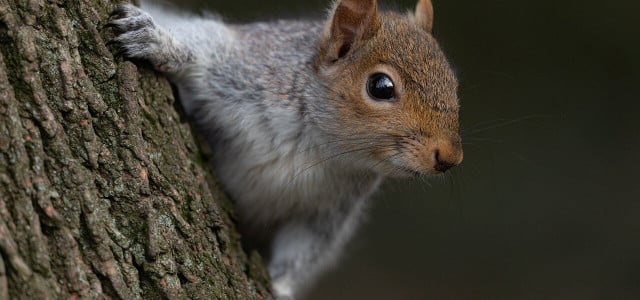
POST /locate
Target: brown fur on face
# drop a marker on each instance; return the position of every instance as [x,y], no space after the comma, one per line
[417,132]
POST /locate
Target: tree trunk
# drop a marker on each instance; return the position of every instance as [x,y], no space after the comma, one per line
[103,189]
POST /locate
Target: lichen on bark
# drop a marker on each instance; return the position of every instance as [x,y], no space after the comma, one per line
[103,189]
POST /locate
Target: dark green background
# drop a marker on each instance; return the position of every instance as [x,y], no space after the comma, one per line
[547,202]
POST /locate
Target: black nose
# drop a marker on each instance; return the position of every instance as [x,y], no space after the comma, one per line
[443,163]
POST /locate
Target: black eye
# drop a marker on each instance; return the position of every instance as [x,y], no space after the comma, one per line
[380,87]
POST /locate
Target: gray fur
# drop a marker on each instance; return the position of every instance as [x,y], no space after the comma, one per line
[253,91]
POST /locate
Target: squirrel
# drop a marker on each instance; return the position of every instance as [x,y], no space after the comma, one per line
[306,118]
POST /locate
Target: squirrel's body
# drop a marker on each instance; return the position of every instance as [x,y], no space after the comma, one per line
[285,164]
[297,157]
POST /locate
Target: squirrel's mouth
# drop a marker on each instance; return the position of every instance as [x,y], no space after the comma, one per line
[400,169]
[424,159]
[409,173]
[404,172]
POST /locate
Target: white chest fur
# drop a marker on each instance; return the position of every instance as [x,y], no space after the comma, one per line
[276,181]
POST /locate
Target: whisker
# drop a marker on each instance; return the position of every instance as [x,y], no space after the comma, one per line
[485,122]
[398,152]
[362,140]
[502,124]
[334,156]
[470,140]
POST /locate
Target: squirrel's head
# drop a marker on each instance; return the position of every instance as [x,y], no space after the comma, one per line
[392,96]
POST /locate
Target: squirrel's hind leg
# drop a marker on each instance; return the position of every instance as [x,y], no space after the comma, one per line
[302,248]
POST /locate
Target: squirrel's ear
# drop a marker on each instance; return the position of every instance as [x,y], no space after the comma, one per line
[352,20]
[424,14]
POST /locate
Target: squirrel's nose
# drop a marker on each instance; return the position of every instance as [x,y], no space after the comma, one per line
[447,154]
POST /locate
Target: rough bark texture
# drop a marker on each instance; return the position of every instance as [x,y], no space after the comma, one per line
[103,193]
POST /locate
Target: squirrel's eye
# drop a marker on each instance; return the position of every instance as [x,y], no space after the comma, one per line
[380,87]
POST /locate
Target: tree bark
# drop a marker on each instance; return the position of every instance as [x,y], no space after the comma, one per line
[104,192]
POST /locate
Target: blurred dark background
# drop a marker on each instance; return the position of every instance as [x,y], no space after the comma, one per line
[547,202]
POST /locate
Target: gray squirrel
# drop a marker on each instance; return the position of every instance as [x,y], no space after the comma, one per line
[306,118]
